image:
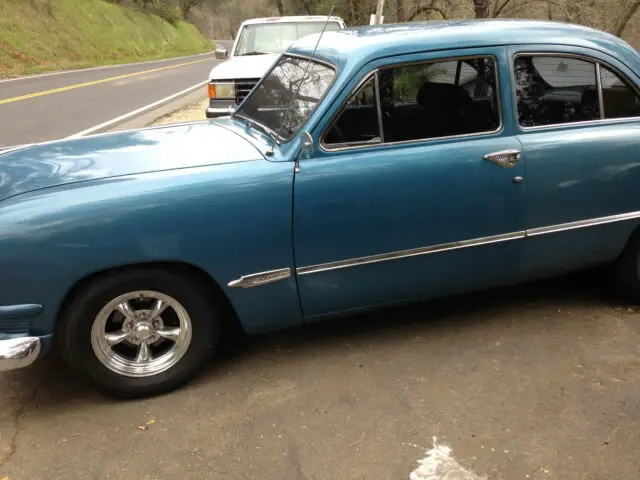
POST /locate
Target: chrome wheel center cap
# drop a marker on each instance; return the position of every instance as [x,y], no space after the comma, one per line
[143,331]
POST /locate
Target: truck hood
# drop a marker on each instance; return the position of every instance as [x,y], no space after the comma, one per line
[116,154]
[244,66]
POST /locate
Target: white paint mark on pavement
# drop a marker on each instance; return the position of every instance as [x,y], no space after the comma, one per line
[138,111]
[438,464]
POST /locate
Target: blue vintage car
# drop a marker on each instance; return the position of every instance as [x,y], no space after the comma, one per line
[370,166]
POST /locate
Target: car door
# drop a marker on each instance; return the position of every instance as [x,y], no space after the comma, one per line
[415,189]
[578,119]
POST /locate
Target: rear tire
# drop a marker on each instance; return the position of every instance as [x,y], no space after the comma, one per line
[139,333]
[627,270]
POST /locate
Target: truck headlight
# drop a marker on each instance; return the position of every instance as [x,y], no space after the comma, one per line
[222,90]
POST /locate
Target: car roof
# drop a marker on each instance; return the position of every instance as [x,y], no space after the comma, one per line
[292,18]
[376,41]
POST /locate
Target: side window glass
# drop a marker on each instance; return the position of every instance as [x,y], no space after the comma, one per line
[439,99]
[618,97]
[358,122]
[554,90]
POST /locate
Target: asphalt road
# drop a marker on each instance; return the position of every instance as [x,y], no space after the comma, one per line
[40,108]
[536,382]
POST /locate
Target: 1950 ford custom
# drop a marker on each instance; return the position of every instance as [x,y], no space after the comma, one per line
[370,166]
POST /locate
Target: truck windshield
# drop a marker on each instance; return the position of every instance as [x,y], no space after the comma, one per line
[285,98]
[276,37]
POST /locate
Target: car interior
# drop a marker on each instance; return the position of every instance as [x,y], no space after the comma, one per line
[437,109]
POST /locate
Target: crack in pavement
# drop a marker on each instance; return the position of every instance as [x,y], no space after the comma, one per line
[16,419]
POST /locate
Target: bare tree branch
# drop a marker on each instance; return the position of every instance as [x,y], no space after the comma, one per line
[400,11]
[624,21]
[307,8]
[500,7]
[187,5]
[424,9]
[524,3]
[481,8]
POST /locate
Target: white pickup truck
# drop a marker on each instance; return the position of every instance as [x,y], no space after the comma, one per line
[258,44]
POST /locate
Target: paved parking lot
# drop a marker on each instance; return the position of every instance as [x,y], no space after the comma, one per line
[540,381]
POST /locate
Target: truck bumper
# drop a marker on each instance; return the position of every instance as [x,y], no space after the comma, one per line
[220,108]
[19,352]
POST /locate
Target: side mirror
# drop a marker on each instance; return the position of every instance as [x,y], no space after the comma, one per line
[307,144]
[221,53]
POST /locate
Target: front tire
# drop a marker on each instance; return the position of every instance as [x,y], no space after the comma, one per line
[139,333]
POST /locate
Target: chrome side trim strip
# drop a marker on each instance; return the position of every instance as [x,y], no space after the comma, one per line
[413,252]
[592,222]
[262,278]
[475,242]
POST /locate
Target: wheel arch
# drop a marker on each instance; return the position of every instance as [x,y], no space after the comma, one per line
[633,237]
[230,322]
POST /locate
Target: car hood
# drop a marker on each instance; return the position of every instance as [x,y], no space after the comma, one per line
[116,154]
[244,66]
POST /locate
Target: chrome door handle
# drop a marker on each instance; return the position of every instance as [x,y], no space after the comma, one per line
[504,158]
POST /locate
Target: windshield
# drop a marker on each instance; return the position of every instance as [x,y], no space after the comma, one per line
[272,102]
[276,37]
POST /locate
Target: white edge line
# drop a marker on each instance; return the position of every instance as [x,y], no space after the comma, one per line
[138,111]
[102,67]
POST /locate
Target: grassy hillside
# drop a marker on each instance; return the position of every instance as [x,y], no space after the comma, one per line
[41,35]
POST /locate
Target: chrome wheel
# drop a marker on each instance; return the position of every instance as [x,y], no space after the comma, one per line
[141,333]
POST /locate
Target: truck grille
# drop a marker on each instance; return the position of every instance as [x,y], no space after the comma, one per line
[243,87]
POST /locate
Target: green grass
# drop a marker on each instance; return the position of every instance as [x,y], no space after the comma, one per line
[85,33]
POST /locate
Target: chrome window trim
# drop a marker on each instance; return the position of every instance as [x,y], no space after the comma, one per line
[278,138]
[412,252]
[498,91]
[376,80]
[599,87]
[628,83]
[592,222]
[475,242]
[310,58]
[598,63]
[343,107]
[261,278]
[597,122]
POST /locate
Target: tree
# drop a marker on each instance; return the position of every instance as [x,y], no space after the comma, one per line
[432,7]
[481,8]
[626,18]
[400,13]
[187,5]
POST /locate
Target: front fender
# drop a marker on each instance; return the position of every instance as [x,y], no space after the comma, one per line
[229,220]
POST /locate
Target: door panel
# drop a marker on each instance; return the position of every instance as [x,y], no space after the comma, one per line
[581,174]
[580,167]
[393,198]
[384,223]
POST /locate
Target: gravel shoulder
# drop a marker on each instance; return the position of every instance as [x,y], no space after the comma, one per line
[192,111]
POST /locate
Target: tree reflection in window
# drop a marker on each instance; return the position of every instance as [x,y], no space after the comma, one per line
[287,96]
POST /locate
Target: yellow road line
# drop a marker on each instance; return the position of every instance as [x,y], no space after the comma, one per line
[95,82]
